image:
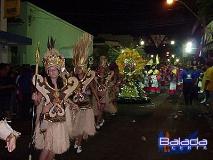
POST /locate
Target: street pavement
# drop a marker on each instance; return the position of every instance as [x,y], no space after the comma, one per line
[133,133]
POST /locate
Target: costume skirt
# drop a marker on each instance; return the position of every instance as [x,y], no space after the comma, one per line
[54,139]
[84,123]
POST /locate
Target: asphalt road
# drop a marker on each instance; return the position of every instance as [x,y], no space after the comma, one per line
[133,133]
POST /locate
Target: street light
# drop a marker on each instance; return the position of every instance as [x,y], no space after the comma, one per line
[169,2]
[188,48]
[152,56]
[172,42]
[142,42]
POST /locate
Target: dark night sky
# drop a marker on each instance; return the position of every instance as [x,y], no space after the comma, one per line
[135,17]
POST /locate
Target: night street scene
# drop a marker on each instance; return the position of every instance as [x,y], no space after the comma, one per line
[106,80]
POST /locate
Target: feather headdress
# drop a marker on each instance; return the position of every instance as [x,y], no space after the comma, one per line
[81,50]
[52,57]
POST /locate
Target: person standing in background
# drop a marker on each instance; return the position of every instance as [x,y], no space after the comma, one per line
[189,80]
[209,83]
[7,87]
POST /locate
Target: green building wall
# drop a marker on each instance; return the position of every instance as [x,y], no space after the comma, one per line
[39,25]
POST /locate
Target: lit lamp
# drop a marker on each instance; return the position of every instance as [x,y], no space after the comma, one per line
[188,48]
[142,42]
[173,56]
[152,56]
[172,42]
[177,60]
[168,60]
[169,2]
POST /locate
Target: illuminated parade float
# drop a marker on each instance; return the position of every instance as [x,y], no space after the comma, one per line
[131,64]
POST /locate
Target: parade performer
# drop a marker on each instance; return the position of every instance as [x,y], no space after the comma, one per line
[146,81]
[173,82]
[51,131]
[158,76]
[103,78]
[114,89]
[154,81]
[84,123]
[163,76]
[9,135]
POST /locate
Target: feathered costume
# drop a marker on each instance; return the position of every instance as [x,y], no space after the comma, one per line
[84,123]
[51,131]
